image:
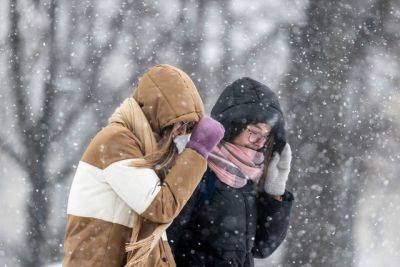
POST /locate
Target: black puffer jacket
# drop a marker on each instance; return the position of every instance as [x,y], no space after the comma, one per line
[226,226]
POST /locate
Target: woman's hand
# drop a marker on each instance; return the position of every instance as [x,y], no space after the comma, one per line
[278,172]
[206,135]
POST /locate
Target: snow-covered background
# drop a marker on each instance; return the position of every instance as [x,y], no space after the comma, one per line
[66,64]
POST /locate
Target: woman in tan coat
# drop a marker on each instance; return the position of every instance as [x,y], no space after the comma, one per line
[131,182]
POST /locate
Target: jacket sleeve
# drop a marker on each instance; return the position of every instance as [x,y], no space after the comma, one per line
[272,223]
[142,190]
[178,186]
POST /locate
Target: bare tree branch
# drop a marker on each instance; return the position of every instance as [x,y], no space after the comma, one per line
[73,22]
[16,56]
[12,153]
[49,87]
[93,63]
[227,53]
[164,38]
[371,29]
[264,42]
[71,118]
[98,54]
[68,167]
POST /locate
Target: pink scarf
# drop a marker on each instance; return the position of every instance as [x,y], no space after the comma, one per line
[234,165]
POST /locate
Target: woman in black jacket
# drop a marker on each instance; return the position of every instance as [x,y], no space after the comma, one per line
[240,210]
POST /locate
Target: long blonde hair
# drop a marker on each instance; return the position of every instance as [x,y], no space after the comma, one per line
[161,159]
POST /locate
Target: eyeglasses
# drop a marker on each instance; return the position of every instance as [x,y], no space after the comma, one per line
[255,137]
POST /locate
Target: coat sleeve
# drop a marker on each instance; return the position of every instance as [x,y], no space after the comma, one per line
[142,190]
[178,186]
[272,223]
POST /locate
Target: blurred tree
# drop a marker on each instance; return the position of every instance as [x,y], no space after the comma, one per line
[332,126]
[59,110]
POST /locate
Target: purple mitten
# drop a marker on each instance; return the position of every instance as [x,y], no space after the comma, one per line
[205,136]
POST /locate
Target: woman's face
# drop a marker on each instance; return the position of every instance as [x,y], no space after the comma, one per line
[254,136]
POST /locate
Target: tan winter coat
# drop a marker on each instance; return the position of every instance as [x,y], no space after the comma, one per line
[108,196]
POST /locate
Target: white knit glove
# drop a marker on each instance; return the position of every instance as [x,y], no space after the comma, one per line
[278,172]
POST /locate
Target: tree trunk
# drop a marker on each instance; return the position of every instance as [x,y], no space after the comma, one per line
[321,231]
[37,206]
